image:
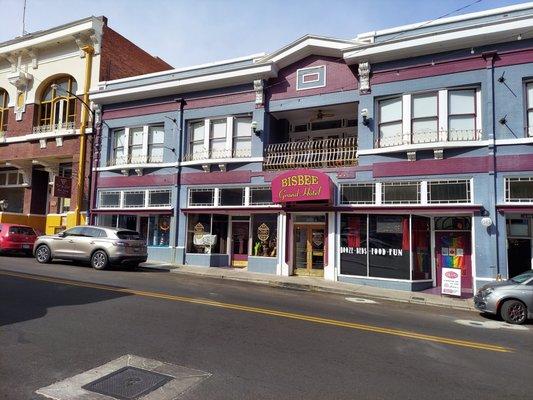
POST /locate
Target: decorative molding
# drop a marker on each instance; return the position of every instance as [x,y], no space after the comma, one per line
[139,171]
[51,168]
[87,39]
[42,143]
[206,167]
[222,167]
[21,80]
[33,53]
[59,141]
[24,168]
[411,156]
[259,88]
[364,77]
[125,172]
[438,154]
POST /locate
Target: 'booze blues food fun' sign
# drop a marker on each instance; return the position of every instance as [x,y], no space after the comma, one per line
[301,185]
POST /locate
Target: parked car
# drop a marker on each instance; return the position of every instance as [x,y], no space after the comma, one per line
[16,238]
[95,244]
[512,299]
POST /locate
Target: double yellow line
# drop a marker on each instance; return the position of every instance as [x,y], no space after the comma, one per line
[266,311]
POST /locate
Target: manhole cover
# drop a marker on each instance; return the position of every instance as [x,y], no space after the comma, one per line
[128,383]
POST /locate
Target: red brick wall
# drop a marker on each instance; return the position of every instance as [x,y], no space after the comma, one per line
[32,150]
[23,127]
[120,58]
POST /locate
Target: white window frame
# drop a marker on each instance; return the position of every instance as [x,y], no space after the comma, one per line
[146,203]
[467,182]
[402,121]
[144,158]
[152,191]
[191,190]
[507,188]
[528,109]
[418,185]
[345,185]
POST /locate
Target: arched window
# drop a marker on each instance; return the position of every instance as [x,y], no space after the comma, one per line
[4,109]
[58,105]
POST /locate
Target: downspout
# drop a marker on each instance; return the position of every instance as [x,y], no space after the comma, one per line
[489,58]
[182,102]
[88,50]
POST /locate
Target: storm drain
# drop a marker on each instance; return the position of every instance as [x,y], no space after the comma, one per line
[128,378]
[128,383]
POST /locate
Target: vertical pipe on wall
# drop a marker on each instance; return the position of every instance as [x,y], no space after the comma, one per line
[182,104]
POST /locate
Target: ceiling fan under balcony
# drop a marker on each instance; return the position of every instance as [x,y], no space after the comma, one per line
[320,115]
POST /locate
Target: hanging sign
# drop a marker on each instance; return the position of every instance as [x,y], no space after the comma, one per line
[301,185]
[62,186]
[451,281]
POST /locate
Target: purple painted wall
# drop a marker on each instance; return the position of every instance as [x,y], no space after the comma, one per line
[339,77]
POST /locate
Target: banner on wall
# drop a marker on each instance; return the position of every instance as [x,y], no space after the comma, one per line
[451,281]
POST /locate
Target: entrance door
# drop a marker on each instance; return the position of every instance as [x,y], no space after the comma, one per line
[309,250]
[240,235]
[453,250]
[518,256]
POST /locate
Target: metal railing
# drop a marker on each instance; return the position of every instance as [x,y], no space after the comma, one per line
[452,135]
[127,160]
[54,127]
[321,153]
[218,154]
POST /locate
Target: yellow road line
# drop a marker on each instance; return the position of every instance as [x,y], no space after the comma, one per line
[270,312]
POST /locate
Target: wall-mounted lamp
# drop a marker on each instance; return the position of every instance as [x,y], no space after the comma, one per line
[503,120]
[255,127]
[364,115]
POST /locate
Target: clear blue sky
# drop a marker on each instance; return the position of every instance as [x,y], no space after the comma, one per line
[188,32]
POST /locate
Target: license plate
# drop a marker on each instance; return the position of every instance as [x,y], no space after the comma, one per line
[25,246]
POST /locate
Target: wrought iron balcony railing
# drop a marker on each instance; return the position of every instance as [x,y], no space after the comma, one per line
[54,127]
[205,154]
[452,135]
[127,160]
[321,153]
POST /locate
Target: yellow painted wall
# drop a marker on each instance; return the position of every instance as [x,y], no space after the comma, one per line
[37,222]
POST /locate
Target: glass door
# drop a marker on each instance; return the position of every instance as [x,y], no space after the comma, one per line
[240,235]
[309,250]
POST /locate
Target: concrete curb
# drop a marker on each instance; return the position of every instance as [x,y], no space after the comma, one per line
[359,291]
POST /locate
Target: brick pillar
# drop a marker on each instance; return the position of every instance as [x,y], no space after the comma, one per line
[26,208]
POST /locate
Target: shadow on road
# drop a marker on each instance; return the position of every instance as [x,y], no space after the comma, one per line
[24,299]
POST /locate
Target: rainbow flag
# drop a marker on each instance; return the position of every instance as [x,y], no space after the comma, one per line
[452,252]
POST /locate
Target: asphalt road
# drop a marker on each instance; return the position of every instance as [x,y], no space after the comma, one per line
[258,342]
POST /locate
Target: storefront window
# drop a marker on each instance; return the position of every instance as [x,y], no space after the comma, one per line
[421,248]
[207,233]
[158,230]
[108,220]
[264,235]
[353,251]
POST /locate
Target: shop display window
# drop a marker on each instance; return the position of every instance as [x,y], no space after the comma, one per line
[264,235]
[353,241]
[421,248]
[207,233]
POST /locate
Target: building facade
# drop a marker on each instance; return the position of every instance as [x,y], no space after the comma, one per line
[44,124]
[379,160]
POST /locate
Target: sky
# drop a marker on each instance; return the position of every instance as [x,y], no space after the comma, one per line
[191,32]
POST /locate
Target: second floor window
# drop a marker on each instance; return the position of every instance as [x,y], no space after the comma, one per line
[224,138]
[4,110]
[58,104]
[462,114]
[529,89]
[390,121]
[138,145]
[425,119]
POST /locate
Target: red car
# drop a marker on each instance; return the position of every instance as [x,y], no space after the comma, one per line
[16,238]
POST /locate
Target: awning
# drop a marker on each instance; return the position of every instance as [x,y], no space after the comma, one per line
[515,208]
[143,212]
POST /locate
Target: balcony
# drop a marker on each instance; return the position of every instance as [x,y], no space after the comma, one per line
[322,153]
[135,160]
[65,126]
[466,135]
[218,154]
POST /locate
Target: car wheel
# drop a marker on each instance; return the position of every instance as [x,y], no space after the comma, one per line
[514,312]
[99,259]
[43,254]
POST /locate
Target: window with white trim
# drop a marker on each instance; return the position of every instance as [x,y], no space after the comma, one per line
[359,193]
[196,142]
[138,145]
[134,199]
[449,191]
[232,196]
[462,114]
[11,178]
[201,197]
[529,108]
[400,192]
[242,137]
[260,196]
[159,198]
[217,138]
[109,199]
[390,124]
[425,118]
[519,189]
[143,198]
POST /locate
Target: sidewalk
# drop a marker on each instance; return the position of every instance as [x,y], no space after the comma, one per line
[313,284]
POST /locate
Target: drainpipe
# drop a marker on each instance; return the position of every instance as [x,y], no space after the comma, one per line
[182,103]
[490,58]
[88,50]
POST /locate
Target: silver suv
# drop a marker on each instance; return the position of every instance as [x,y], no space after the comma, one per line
[95,244]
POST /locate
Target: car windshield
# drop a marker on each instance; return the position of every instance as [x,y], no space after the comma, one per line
[522,277]
[21,230]
[128,235]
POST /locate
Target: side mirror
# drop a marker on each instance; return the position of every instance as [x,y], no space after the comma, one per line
[61,234]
